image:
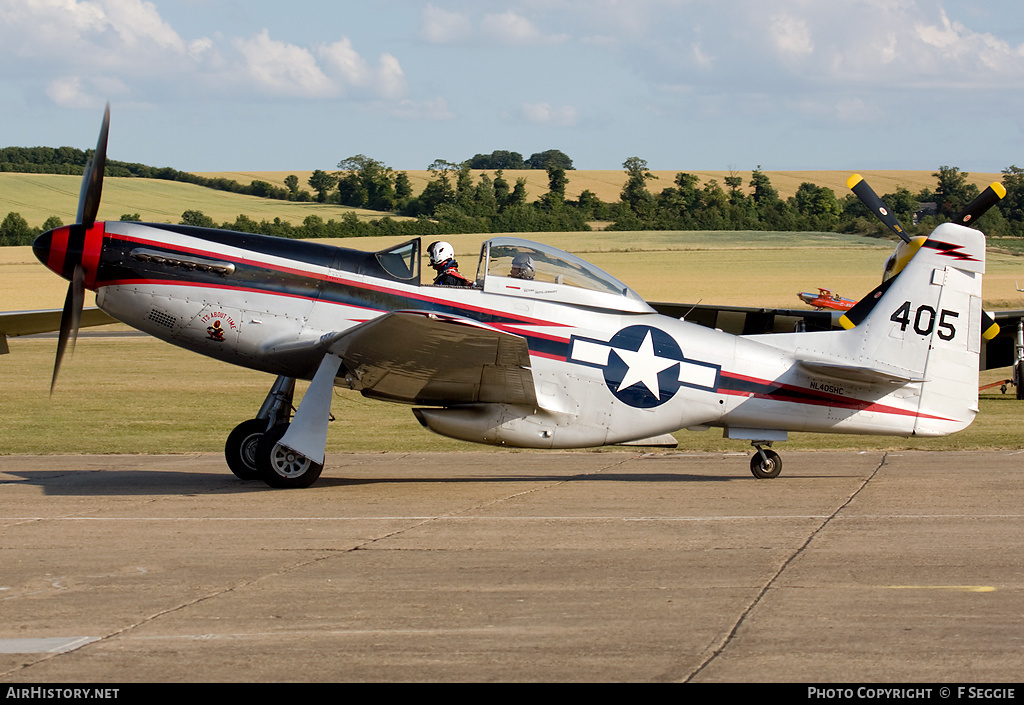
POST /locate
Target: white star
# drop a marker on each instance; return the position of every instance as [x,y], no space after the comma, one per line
[643,366]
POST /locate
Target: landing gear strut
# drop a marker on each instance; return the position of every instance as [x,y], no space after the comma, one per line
[241,448]
[274,449]
[765,464]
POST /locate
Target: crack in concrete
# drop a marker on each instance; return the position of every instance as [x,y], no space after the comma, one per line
[730,636]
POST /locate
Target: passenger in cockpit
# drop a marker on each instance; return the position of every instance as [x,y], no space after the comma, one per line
[522,267]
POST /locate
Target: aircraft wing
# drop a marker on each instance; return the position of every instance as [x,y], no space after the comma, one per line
[428,358]
[15,323]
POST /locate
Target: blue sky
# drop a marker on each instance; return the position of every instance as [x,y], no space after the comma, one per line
[205,85]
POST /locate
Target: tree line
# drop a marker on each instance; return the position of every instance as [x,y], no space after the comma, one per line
[72,161]
[454,201]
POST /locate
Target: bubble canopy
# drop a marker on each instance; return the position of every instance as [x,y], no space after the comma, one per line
[549,274]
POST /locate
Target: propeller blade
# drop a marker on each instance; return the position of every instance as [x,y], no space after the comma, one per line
[869,198]
[985,200]
[92,178]
[862,308]
[989,327]
[70,319]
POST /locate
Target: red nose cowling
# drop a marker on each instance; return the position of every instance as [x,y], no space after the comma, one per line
[63,248]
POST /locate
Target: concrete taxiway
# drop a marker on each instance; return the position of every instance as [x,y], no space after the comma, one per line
[515,566]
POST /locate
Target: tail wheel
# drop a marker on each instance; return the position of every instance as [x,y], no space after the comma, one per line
[279,466]
[766,464]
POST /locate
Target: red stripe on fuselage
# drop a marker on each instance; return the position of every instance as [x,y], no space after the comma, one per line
[817,399]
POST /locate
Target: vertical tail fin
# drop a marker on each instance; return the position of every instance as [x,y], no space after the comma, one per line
[926,325]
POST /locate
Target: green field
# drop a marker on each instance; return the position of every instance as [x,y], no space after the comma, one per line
[139,395]
[38,196]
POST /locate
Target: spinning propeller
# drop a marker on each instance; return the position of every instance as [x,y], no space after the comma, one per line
[62,249]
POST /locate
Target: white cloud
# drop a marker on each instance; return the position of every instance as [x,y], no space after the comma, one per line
[791,35]
[35,27]
[103,32]
[91,93]
[74,46]
[514,29]
[67,93]
[429,110]
[350,70]
[283,69]
[80,54]
[344,62]
[390,79]
[701,58]
[507,28]
[443,27]
[139,24]
[808,44]
[546,114]
[948,45]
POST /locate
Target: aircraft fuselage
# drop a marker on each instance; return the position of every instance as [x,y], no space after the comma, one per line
[600,376]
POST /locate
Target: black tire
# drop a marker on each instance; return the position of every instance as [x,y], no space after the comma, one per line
[766,470]
[281,467]
[240,448]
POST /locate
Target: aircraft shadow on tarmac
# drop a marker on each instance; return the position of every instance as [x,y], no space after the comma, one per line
[164,482]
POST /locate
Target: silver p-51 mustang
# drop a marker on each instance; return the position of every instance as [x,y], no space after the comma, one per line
[569,358]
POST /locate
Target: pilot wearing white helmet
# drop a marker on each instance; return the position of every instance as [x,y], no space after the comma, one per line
[442,259]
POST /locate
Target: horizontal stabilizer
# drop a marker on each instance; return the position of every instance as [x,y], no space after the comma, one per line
[852,373]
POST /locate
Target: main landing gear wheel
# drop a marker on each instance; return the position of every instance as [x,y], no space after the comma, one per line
[766,464]
[240,448]
[282,467]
